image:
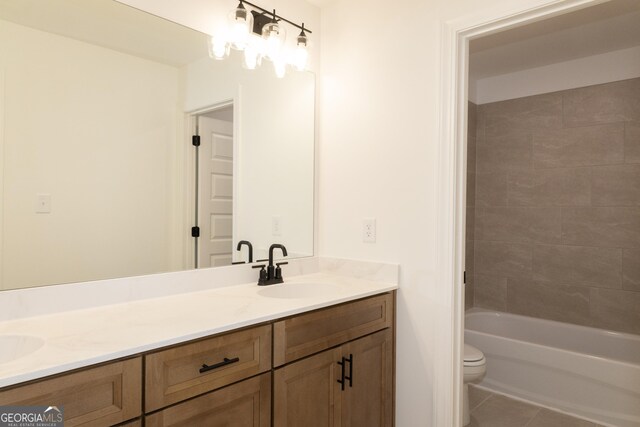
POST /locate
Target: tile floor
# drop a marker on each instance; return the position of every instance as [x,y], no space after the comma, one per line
[494,410]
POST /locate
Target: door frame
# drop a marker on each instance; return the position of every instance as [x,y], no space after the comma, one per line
[452,161]
[2,114]
[190,194]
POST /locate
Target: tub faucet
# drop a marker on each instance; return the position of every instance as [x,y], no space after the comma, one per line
[273,273]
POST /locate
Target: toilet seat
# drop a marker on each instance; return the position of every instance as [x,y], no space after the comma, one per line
[473,356]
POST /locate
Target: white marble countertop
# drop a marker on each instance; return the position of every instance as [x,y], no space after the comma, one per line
[84,337]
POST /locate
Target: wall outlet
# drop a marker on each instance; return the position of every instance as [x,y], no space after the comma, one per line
[276,225]
[369,230]
[43,203]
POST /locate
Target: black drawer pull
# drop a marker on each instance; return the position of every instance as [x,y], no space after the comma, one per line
[227,361]
[350,377]
[341,380]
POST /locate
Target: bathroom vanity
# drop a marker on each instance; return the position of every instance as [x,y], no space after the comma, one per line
[323,356]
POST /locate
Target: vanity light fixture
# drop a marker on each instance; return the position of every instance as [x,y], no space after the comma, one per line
[259,34]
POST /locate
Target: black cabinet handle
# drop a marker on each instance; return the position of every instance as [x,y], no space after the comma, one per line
[225,362]
[341,380]
[350,377]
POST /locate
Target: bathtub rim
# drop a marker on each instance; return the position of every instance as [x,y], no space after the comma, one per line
[623,335]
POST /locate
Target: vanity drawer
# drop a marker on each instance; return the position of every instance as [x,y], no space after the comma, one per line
[175,374]
[313,332]
[247,403]
[102,396]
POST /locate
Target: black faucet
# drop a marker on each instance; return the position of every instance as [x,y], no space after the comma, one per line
[273,273]
[248,243]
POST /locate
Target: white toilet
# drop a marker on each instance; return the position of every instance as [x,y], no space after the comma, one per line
[475,366]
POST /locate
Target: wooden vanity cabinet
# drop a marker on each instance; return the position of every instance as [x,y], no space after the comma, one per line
[175,374]
[244,404]
[348,385]
[329,367]
[101,396]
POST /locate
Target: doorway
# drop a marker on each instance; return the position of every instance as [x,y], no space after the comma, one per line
[214,189]
[453,155]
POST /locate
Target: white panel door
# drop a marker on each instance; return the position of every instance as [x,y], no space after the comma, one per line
[215,245]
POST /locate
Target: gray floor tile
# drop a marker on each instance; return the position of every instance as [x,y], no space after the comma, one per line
[500,411]
[477,396]
[547,418]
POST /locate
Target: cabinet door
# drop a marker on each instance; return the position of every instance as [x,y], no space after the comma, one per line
[244,404]
[368,397]
[307,392]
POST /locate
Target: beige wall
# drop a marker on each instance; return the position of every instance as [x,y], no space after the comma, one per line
[471,203]
[557,216]
[95,129]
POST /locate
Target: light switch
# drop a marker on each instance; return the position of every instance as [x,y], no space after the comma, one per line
[43,203]
[276,225]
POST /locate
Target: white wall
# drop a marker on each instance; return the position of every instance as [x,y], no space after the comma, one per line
[381,65]
[378,156]
[207,16]
[84,123]
[597,69]
[274,138]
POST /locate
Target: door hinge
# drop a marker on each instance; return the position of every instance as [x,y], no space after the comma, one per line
[195,140]
[195,231]
[464,277]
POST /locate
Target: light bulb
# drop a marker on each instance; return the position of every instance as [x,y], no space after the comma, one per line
[280,67]
[218,47]
[301,54]
[274,36]
[251,57]
[241,22]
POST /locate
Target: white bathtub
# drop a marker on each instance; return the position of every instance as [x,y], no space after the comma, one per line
[588,372]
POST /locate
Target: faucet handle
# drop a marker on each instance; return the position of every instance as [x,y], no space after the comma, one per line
[278,274]
[263,274]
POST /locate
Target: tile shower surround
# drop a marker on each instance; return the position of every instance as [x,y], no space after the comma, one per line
[553,213]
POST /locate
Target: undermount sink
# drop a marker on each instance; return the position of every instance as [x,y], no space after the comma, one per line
[13,347]
[298,290]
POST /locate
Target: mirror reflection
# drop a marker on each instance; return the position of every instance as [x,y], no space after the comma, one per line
[99,177]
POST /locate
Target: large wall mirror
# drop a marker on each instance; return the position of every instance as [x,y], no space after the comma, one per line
[98,175]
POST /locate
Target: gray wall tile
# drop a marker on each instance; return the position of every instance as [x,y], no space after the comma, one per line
[504,152]
[617,185]
[564,303]
[533,112]
[607,227]
[491,189]
[631,269]
[584,146]
[470,258]
[616,309]
[605,103]
[577,265]
[472,144]
[472,118]
[550,187]
[490,292]
[571,157]
[632,142]
[471,215]
[502,259]
[519,225]
[469,293]
[471,189]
